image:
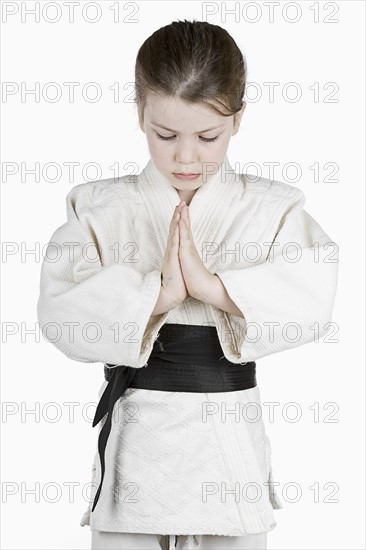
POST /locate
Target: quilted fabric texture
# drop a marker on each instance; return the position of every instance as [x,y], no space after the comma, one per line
[170,467]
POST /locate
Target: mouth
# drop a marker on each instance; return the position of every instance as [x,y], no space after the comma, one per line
[186,175]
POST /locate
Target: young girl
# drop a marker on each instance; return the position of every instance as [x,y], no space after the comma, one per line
[178,279]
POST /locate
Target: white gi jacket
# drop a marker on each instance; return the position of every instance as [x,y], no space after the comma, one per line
[179,462]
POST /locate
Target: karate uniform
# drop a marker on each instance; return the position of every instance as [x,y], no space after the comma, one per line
[102,540]
[178,462]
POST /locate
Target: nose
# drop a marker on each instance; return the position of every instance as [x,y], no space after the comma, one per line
[185,154]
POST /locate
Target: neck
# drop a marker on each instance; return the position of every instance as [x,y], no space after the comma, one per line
[186,196]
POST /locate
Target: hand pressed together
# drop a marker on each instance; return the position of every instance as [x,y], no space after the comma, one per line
[183,271]
[172,279]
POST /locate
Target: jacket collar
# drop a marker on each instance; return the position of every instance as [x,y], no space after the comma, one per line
[208,208]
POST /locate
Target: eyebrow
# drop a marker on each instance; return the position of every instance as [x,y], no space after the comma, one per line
[174,131]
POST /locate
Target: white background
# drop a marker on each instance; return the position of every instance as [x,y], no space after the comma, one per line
[34,373]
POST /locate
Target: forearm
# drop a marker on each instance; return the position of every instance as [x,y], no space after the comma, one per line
[218,296]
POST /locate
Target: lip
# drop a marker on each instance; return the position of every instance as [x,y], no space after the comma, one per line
[186,175]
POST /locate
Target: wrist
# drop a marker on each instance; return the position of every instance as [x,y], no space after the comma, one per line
[211,287]
[169,301]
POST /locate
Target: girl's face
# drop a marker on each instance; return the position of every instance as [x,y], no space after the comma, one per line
[182,137]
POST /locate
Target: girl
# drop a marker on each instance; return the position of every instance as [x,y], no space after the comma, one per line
[178,279]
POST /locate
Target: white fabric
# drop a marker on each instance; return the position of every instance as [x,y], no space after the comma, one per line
[159,448]
[103,540]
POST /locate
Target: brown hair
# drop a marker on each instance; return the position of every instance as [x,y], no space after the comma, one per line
[195,61]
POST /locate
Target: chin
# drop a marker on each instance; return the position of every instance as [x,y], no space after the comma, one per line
[189,186]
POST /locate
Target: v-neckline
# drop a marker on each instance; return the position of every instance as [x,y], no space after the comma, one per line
[208,207]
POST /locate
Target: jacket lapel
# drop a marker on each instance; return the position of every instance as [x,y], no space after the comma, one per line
[208,210]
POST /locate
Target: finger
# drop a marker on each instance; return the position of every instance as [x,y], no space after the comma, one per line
[174,219]
[185,214]
[183,230]
[174,228]
[173,215]
[185,221]
[175,237]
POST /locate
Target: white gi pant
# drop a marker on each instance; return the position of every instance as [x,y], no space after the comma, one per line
[134,541]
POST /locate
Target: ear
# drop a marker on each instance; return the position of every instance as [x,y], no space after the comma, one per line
[141,117]
[142,125]
[237,119]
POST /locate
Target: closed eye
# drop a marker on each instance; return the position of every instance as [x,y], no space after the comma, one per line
[207,140]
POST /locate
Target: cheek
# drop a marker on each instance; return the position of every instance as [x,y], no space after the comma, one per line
[160,154]
[215,150]
[156,148]
[224,141]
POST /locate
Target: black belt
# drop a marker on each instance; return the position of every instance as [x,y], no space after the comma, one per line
[186,358]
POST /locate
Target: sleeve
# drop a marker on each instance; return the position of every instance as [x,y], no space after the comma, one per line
[287,299]
[90,312]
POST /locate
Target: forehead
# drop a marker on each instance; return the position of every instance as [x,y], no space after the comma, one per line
[173,112]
